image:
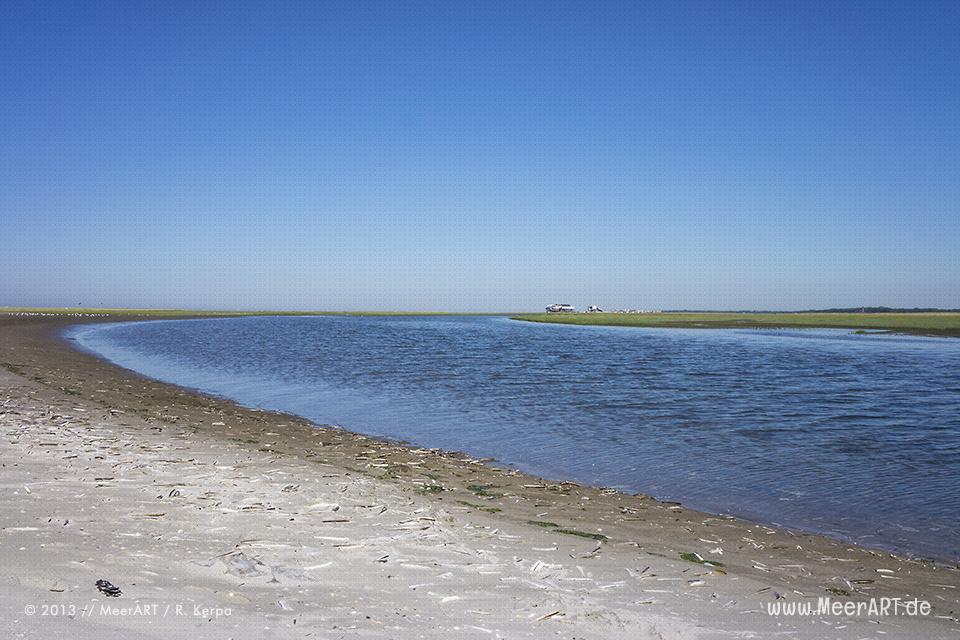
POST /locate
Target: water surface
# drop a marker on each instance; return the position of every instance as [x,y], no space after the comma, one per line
[856,436]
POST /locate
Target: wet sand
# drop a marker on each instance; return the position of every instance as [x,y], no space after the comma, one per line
[183,500]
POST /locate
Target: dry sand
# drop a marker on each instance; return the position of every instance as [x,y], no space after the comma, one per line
[217,521]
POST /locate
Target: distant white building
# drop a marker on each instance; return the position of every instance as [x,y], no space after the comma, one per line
[560,308]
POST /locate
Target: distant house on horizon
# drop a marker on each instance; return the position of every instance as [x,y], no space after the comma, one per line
[560,308]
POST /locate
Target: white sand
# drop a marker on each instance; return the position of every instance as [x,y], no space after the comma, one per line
[255,545]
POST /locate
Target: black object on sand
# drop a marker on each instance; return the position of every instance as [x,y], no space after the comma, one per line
[108,589]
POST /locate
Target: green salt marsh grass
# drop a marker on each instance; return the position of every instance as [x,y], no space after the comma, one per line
[927,323]
[933,323]
[194,313]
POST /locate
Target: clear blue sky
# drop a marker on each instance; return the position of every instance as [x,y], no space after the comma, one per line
[480,156]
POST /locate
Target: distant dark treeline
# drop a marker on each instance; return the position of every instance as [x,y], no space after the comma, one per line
[885,310]
[838,310]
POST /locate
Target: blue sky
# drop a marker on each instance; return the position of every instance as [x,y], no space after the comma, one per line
[480,156]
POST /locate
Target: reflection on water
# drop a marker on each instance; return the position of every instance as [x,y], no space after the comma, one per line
[852,435]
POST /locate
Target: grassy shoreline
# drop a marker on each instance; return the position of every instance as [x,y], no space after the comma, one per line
[934,323]
[924,323]
[194,313]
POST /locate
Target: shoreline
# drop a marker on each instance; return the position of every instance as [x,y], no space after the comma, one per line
[622,530]
[943,324]
[756,518]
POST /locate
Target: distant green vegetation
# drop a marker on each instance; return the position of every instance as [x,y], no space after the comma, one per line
[68,311]
[945,323]
[172,313]
[936,323]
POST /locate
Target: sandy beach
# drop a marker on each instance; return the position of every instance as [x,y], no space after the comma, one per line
[217,521]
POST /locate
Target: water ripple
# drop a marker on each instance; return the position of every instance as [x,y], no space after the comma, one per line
[857,435]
